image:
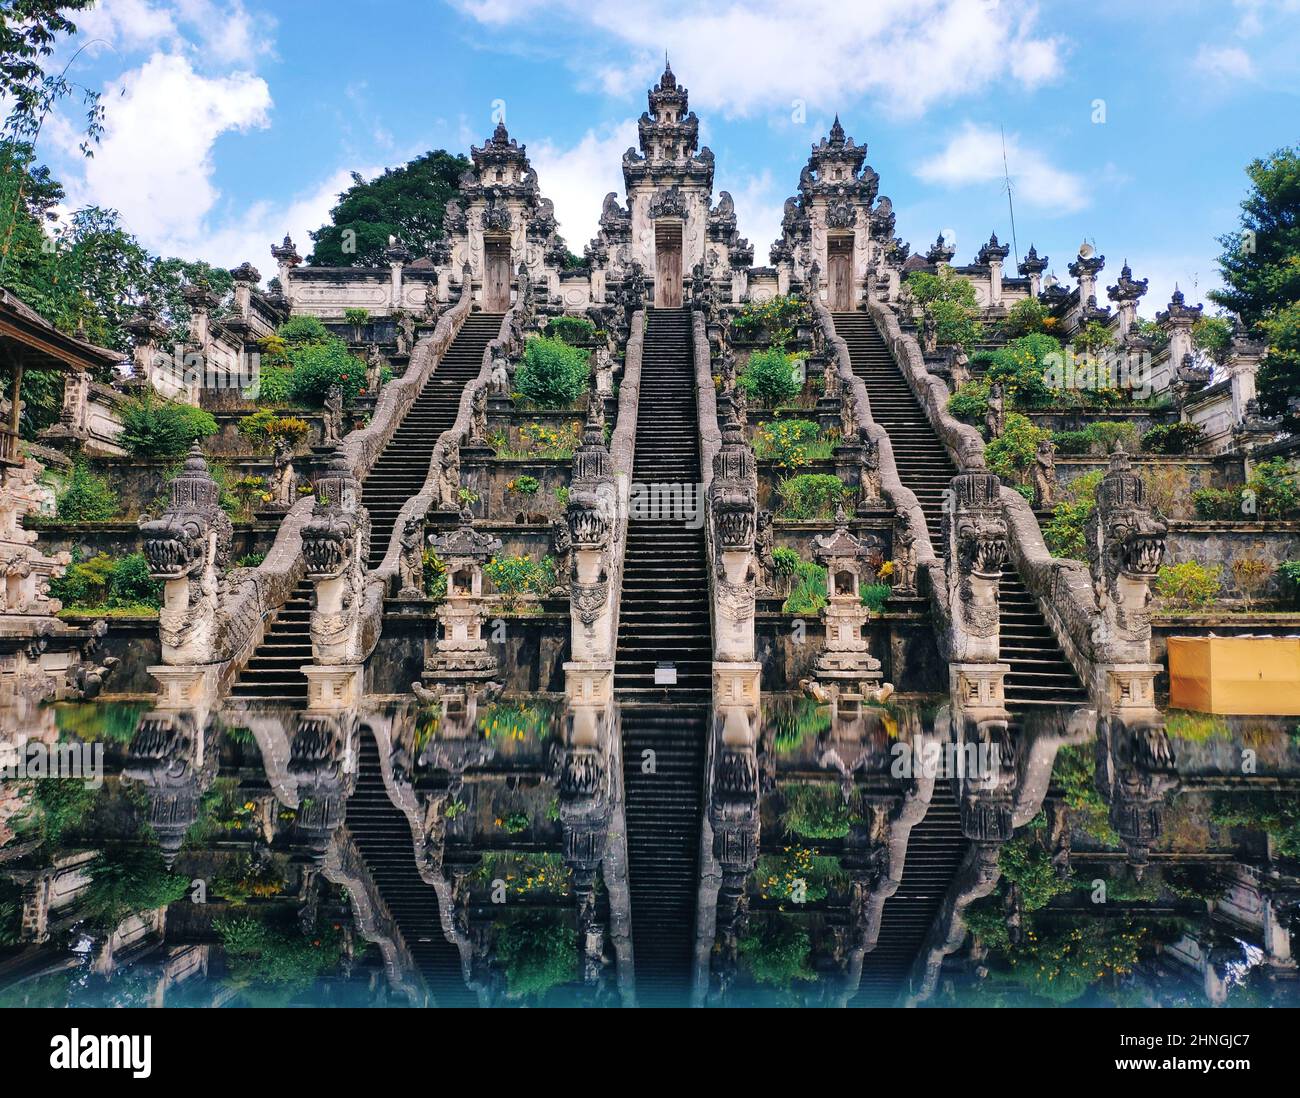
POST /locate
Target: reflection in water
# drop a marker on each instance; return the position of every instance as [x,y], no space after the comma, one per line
[477,854]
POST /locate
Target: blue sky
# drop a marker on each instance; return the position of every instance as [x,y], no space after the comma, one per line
[233,122]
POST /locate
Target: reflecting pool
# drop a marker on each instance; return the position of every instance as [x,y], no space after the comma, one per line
[529,851]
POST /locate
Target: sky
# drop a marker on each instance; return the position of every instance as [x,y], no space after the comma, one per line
[232,122]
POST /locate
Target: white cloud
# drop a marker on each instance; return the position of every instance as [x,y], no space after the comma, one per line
[974,156]
[764,54]
[155,163]
[212,34]
[1225,62]
[760,204]
[577,179]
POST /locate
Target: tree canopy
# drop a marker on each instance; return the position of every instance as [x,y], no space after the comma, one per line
[406,203]
[1260,266]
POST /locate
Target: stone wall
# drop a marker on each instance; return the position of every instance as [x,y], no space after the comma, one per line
[1221,543]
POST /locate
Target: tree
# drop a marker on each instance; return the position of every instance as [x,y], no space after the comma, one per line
[406,203]
[1260,267]
[29,30]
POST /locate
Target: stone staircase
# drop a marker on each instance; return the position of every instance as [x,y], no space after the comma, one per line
[1040,674]
[664,618]
[383,838]
[935,849]
[274,673]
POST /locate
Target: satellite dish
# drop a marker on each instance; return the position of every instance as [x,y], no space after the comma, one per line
[1049,281]
[1086,250]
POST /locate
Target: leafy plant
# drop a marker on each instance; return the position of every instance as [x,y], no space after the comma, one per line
[1289,571]
[970,402]
[356,317]
[1173,438]
[575,330]
[553,374]
[776,318]
[875,595]
[127,880]
[950,300]
[1251,575]
[808,589]
[1189,584]
[776,951]
[791,443]
[811,495]
[1065,530]
[156,428]
[815,811]
[516,576]
[1026,317]
[537,953]
[769,377]
[1011,455]
[525,485]
[103,581]
[318,367]
[265,425]
[1022,367]
[86,497]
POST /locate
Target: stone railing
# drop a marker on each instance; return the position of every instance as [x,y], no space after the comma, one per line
[249,597]
[910,521]
[1062,588]
[590,672]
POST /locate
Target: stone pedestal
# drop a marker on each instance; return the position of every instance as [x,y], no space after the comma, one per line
[737,683]
[589,683]
[185,687]
[1128,686]
[334,686]
[978,685]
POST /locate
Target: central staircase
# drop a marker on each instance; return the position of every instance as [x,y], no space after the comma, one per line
[274,673]
[383,838]
[1040,675]
[664,618]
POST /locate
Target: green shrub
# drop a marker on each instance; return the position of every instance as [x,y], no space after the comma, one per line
[1012,454]
[1022,369]
[815,812]
[156,428]
[304,329]
[1074,443]
[318,367]
[356,317]
[1173,438]
[769,377]
[128,880]
[808,589]
[552,374]
[86,498]
[1026,318]
[777,319]
[970,402]
[785,561]
[537,953]
[516,576]
[285,961]
[525,485]
[950,300]
[1276,488]
[1289,571]
[875,595]
[811,495]
[1274,814]
[105,582]
[1218,503]
[571,329]
[1065,530]
[776,952]
[263,427]
[1189,584]
[56,809]
[274,385]
[791,442]
[1213,335]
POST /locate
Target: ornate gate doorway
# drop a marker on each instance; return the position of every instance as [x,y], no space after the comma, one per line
[496,274]
[668,265]
[839,274]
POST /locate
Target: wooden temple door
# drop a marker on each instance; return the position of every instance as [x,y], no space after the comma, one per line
[668,265]
[839,273]
[496,275]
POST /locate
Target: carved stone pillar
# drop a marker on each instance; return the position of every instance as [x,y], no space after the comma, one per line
[288,260]
[1177,322]
[398,256]
[1126,543]
[1085,270]
[592,517]
[993,255]
[169,757]
[1126,293]
[188,548]
[975,547]
[1135,774]
[336,545]
[1032,268]
[733,518]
